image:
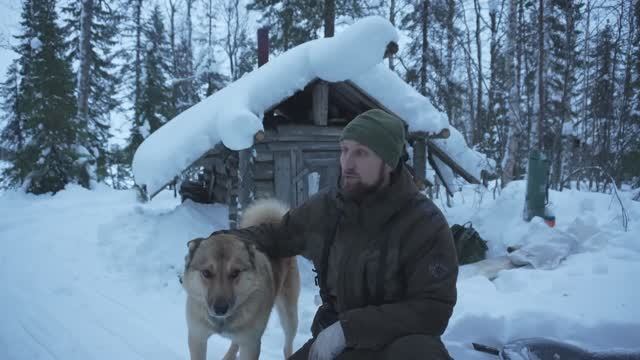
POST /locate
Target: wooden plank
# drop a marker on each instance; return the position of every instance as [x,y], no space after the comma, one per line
[308,155]
[264,189]
[301,129]
[442,155]
[282,176]
[263,155]
[439,175]
[420,158]
[320,103]
[360,95]
[310,137]
[300,180]
[245,177]
[346,100]
[220,194]
[320,162]
[263,170]
[322,146]
[220,166]
[232,163]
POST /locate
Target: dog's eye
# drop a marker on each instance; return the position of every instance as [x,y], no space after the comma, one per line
[206,274]
[234,274]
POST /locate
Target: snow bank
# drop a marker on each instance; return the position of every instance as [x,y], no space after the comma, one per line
[93,275]
[576,286]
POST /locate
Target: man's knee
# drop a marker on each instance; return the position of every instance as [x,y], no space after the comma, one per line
[417,347]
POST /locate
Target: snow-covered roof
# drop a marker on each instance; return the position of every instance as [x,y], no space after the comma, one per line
[234,114]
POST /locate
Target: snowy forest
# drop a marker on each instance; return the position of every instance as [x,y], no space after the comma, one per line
[91,79]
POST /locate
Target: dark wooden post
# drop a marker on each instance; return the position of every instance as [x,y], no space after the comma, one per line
[320,106]
[233,188]
[263,45]
[420,160]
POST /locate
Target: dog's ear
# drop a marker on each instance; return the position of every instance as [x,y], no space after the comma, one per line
[193,246]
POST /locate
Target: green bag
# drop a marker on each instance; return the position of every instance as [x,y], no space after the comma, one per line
[469,245]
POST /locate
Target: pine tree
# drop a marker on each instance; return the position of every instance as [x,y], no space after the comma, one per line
[494,127]
[132,69]
[633,157]
[560,79]
[51,156]
[206,66]
[155,94]
[602,100]
[293,22]
[416,23]
[12,137]
[185,88]
[92,27]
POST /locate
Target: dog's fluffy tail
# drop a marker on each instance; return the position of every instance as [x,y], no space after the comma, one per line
[263,211]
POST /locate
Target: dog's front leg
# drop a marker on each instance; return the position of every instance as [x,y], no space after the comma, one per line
[197,346]
[250,350]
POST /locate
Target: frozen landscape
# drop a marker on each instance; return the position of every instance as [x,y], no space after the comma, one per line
[92,274]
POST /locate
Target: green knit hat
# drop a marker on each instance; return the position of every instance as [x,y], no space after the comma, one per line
[380,131]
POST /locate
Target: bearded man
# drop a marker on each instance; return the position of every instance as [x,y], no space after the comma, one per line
[383,252]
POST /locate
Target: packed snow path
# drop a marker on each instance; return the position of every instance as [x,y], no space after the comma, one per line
[93,275]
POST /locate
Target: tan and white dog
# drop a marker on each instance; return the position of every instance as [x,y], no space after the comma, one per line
[232,287]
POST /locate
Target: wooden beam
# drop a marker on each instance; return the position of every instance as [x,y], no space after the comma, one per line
[443,134]
[442,155]
[392,49]
[245,178]
[439,174]
[282,176]
[320,105]
[420,160]
[259,136]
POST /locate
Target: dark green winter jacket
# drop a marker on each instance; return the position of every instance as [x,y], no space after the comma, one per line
[420,270]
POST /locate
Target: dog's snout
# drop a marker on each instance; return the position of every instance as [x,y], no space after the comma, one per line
[220,307]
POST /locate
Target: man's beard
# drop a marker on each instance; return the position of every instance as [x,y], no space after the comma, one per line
[358,190]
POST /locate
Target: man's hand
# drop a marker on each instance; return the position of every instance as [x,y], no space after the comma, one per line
[329,343]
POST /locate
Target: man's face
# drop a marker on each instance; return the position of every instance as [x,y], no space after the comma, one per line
[363,171]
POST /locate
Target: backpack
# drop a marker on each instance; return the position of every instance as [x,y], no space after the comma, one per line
[470,247]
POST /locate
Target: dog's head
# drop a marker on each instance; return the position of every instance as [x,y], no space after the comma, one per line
[220,271]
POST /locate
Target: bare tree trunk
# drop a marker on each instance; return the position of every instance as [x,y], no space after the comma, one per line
[425,46]
[188,81]
[392,20]
[86,23]
[172,44]
[625,107]
[236,23]
[493,53]
[475,131]
[566,98]
[172,33]
[329,18]
[138,64]
[541,83]
[509,158]
[451,36]
[210,17]
[470,88]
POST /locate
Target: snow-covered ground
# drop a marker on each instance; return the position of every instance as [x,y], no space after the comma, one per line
[92,275]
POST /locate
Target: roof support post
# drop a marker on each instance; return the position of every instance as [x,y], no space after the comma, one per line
[320,107]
